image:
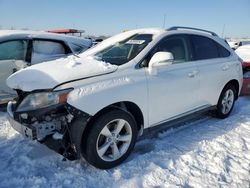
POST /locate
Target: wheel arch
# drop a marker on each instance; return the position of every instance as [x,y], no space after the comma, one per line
[236,84]
[126,106]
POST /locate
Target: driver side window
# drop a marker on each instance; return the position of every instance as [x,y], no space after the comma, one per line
[175,45]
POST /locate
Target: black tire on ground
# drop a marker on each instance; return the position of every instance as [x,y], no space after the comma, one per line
[219,109]
[91,154]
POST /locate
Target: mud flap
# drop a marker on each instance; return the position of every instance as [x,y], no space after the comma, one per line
[77,128]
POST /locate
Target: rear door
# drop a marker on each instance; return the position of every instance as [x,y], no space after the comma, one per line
[13,56]
[215,67]
[47,50]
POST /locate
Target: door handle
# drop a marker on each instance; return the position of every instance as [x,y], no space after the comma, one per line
[193,73]
[225,67]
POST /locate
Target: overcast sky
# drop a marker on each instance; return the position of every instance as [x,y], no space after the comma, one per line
[113,16]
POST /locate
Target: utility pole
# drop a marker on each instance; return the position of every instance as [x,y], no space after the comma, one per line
[164,21]
[223,30]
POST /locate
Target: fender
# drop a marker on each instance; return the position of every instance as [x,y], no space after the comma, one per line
[93,97]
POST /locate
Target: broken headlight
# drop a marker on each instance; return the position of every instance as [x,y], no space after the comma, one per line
[43,99]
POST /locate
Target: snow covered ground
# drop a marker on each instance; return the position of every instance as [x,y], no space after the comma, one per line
[206,153]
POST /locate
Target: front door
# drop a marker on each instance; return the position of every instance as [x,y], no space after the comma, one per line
[12,55]
[173,90]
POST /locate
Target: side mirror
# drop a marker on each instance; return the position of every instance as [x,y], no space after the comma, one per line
[160,59]
[20,64]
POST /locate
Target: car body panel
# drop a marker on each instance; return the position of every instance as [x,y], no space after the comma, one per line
[246,80]
[49,74]
[124,86]
[223,70]
[172,91]
[246,87]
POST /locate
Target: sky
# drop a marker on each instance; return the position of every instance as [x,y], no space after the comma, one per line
[228,18]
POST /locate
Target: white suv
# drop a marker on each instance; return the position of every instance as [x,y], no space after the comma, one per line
[96,105]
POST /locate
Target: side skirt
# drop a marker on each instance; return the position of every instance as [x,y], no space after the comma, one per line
[175,122]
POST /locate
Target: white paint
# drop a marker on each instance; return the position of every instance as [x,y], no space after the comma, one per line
[51,73]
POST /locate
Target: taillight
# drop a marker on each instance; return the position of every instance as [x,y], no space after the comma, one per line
[245,64]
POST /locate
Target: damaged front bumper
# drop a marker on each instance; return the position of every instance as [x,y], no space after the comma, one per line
[35,131]
[51,126]
[26,130]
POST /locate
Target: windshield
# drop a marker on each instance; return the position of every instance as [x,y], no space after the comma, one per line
[124,51]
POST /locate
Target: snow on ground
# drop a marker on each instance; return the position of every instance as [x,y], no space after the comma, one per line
[206,153]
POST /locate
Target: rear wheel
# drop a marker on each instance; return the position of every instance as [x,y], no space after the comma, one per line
[226,101]
[111,139]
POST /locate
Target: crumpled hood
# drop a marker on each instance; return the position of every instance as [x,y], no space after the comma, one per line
[50,74]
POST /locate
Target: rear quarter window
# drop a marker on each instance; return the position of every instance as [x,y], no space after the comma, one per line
[223,51]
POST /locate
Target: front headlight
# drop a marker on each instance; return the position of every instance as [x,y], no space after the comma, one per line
[43,99]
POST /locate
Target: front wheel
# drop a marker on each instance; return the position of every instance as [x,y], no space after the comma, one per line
[111,139]
[226,101]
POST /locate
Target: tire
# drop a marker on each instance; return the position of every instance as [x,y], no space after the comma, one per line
[225,104]
[105,137]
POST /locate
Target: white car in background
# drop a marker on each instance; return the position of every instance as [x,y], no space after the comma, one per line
[95,106]
[235,45]
[19,49]
[244,53]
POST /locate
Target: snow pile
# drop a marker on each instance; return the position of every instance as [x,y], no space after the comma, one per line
[244,52]
[206,153]
[49,74]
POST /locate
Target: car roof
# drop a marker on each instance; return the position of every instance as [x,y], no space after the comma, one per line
[156,32]
[16,34]
[174,30]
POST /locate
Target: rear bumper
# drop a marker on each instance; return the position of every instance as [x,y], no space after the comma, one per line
[245,87]
[26,130]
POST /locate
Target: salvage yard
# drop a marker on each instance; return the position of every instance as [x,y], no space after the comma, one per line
[206,153]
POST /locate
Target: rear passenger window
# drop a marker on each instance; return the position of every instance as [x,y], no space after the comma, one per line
[204,48]
[48,47]
[44,50]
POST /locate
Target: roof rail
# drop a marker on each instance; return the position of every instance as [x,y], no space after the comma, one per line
[191,28]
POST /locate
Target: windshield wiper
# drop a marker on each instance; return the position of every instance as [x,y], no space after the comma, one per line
[76,55]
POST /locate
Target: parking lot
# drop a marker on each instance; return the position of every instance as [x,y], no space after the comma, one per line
[206,153]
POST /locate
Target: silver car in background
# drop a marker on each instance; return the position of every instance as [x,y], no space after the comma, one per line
[19,49]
